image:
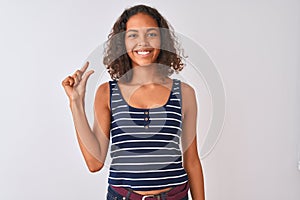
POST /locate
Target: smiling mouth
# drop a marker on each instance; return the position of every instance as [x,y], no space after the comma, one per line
[143,52]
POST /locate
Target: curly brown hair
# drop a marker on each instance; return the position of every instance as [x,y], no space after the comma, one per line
[116,58]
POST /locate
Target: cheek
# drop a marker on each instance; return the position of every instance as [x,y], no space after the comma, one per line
[129,47]
[129,44]
[157,52]
[155,43]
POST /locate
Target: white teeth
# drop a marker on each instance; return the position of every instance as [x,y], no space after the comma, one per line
[143,52]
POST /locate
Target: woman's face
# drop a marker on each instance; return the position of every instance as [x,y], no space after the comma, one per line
[142,39]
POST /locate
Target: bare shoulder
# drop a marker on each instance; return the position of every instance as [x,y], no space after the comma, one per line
[104,87]
[187,89]
[102,96]
[188,98]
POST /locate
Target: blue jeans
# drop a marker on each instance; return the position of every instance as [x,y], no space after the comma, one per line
[113,195]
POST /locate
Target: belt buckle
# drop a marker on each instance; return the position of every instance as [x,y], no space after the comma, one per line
[147,196]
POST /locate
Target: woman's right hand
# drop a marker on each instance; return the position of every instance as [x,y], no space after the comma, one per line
[75,85]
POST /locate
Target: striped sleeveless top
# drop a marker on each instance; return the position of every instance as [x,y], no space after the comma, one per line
[145,143]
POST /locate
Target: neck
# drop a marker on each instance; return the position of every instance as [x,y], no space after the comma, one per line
[146,75]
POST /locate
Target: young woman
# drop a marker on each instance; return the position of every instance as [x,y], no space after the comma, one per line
[144,113]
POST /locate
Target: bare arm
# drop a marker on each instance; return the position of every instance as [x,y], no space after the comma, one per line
[87,140]
[191,160]
[93,143]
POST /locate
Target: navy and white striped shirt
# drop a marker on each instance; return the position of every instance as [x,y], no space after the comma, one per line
[145,143]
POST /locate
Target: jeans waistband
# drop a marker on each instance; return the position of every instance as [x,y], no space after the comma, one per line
[177,193]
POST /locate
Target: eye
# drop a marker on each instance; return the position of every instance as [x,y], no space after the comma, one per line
[132,35]
[152,34]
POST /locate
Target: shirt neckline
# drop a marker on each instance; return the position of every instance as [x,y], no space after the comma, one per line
[162,106]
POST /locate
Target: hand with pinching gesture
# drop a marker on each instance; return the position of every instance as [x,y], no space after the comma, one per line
[75,85]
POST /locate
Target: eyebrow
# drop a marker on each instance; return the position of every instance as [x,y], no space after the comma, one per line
[135,30]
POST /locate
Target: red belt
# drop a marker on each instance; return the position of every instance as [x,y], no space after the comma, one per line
[175,193]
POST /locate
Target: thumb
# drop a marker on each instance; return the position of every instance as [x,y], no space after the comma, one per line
[87,75]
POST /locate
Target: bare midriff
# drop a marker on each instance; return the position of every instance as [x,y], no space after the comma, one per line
[153,192]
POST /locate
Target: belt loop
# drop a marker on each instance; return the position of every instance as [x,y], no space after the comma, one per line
[128,195]
[163,195]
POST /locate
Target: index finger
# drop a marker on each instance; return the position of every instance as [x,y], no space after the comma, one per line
[85,66]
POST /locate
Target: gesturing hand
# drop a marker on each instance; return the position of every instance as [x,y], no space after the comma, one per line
[75,85]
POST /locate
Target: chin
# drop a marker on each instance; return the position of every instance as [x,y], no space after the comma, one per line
[144,64]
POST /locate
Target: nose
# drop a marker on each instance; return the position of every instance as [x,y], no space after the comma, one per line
[143,41]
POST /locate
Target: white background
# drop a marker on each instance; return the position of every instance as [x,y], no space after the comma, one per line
[255,45]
